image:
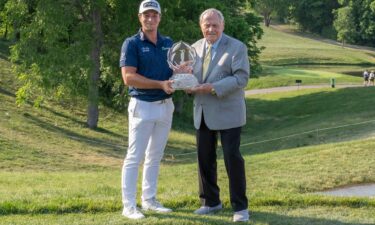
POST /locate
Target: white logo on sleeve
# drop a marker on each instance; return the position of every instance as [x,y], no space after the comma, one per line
[122,58]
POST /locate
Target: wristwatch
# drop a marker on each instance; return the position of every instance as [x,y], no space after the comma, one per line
[213,92]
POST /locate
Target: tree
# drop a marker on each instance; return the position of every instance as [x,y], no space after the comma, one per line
[344,24]
[314,15]
[13,14]
[68,50]
[272,8]
[59,50]
[3,23]
[363,11]
[360,20]
[266,8]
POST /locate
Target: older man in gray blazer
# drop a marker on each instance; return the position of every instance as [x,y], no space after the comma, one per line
[222,70]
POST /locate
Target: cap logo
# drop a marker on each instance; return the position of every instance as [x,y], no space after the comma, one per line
[150,4]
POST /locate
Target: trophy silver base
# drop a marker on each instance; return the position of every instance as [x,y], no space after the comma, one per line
[183,81]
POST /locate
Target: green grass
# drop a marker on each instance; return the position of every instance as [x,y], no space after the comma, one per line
[277,76]
[288,49]
[310,111]
[280,183]
[260,215]
[288,57]
[54,170]
[50,177]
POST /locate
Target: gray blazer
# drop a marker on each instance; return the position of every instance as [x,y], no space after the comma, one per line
[229,73]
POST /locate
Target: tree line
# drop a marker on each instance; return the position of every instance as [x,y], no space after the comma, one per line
[68,50]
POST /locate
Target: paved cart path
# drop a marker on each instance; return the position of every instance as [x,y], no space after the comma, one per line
[295,87]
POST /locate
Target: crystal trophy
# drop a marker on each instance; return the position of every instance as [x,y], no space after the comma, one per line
[182,55]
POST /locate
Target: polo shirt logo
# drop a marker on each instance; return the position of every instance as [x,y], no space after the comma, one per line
[165,48]
[145,49]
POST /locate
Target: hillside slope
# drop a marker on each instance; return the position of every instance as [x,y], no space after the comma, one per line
[54,170]
[286,48]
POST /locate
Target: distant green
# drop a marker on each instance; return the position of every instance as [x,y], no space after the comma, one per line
[288,57]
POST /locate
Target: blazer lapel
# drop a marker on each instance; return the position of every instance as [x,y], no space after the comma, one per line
[200,51]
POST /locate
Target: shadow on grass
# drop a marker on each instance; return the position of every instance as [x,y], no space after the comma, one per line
[6,92]
[115,148]
[80,122]
[269,120]
[62,115]
[4,57]
[304,120]
[4,50]
[353,73]
[307,120]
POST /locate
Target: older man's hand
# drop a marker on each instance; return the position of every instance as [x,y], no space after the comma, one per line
[201,89]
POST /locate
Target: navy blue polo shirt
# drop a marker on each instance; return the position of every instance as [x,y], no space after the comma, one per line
[150,61]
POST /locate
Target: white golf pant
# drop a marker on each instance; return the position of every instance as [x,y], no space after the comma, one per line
[149,126]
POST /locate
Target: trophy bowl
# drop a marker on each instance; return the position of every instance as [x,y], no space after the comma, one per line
[182,55]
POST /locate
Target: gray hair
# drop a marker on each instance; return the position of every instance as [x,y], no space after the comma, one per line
[209,11]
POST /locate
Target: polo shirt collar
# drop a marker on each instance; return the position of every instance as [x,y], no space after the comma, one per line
[144,38]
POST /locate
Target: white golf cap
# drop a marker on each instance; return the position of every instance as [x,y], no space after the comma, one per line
[149,5]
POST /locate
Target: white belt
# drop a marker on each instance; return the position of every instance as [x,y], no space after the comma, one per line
[167,100]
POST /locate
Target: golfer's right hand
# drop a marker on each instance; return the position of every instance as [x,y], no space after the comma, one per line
[167,86]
